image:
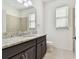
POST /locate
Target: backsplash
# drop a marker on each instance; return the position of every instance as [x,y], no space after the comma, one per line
[12,34]
[8,34]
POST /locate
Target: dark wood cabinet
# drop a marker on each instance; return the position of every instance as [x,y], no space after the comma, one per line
[30,53]
[41,47]
[17,50]
[33,49]
[39,52]
[27,54]
[18,56]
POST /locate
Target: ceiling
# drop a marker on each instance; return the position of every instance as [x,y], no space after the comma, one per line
[14,3]
[17,5]
[48,0]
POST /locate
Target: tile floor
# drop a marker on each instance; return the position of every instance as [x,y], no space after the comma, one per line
[54,53]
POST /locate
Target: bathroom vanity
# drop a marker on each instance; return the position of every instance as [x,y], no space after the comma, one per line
[28,48]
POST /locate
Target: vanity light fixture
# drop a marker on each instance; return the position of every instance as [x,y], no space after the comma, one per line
[29,3]
[26,3]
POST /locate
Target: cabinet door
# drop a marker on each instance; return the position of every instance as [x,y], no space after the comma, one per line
[39,56]
[43,46]
[30,53]
[18,56]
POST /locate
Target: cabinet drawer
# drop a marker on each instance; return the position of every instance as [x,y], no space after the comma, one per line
[40,39]
[6,53]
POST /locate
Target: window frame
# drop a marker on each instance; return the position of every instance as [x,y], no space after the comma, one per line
[33,21]
[62,17]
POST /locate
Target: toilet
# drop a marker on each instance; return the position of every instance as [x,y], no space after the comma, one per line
[49,46]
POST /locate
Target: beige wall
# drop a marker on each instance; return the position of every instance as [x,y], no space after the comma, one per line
[24,23]
[15,24]
[12,23]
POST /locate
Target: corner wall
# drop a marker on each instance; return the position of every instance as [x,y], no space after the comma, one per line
[61,38]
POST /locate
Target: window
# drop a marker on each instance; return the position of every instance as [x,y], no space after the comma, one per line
[32,21]
[62,17]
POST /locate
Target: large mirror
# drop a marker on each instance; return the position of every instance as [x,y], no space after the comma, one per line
[18,16]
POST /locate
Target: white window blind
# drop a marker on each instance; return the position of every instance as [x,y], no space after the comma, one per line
[32,21]
[62,17]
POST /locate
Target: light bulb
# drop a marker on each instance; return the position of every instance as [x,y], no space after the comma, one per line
[30,2]
[20,1]
[26,4]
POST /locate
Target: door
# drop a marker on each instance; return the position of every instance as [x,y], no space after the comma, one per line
[74,29]
[43,46]
[18,56]
[30,53]
[74,40]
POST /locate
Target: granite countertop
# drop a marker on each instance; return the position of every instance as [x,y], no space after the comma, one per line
[8,42]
